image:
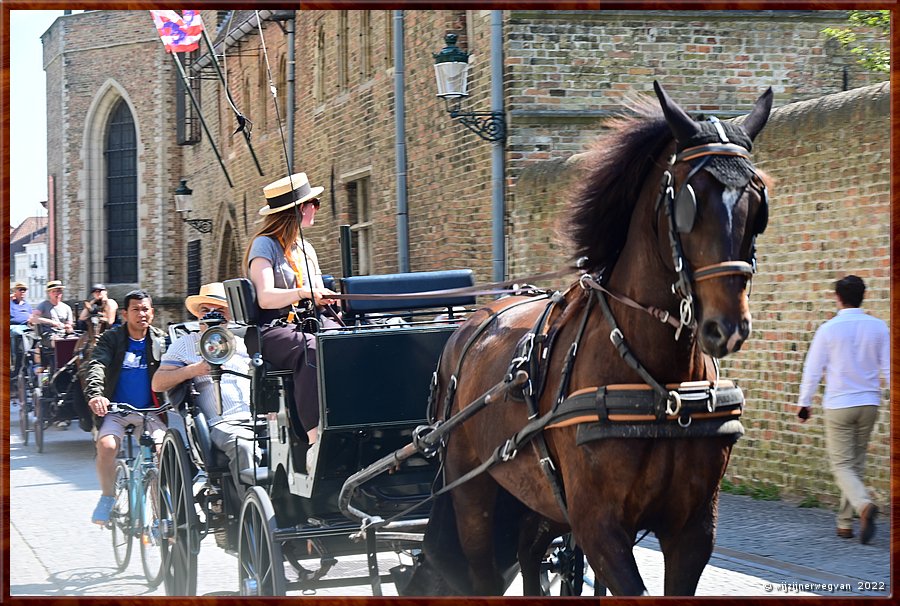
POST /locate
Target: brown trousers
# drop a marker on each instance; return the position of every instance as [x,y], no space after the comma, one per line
[289,349]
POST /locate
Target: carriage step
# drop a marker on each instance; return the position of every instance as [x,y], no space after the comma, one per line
[262,478]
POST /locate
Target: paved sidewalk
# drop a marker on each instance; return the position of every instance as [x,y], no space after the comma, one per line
[803,541]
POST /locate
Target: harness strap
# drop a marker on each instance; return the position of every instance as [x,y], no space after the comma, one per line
[725,268]
[454,378]
[712,149]
[618,340]
[660,314]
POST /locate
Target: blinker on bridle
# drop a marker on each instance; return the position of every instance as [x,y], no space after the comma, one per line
[681,209]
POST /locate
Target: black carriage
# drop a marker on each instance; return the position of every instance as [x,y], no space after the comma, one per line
[374,379]
[47,387]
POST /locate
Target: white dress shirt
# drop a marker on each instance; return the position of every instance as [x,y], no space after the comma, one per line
[852,350]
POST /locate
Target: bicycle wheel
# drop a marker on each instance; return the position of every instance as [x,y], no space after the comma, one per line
[22,395]
[151,546]
[120,518]
[38,419]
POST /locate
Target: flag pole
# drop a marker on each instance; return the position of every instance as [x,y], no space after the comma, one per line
[215,61]
[187,87]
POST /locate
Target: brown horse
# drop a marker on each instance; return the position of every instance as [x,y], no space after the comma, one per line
[665,229]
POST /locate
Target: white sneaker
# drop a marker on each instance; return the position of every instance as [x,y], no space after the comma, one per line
[311,454]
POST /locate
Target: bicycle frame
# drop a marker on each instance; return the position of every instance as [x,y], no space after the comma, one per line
[138,466]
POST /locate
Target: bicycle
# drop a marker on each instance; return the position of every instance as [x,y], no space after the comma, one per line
[135,513]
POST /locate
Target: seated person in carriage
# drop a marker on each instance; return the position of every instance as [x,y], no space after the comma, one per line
[121,369]
[284,269]
[52,316]
[230,431]
[19,314]
[100,305]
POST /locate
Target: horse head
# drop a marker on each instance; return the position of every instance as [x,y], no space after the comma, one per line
[712,206]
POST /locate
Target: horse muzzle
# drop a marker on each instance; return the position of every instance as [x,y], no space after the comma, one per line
[720,336]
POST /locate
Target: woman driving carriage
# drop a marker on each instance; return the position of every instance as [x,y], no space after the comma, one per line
[284,269]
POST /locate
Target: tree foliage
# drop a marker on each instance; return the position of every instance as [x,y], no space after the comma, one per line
[868,37]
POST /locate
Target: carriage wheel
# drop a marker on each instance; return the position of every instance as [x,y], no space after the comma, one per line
[39,413]
[567,564]
[22,395]
[120,518]
[260,559]
[179,525]
[151,547]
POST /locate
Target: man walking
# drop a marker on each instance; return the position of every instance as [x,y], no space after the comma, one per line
[120,370]
[852,350]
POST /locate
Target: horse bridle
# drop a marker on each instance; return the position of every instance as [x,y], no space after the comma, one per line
[681,210]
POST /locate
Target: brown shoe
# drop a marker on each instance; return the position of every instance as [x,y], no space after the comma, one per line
[867,523]
[845,533]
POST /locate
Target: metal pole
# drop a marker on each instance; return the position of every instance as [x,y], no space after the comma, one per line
[187,87]
[289,108]
[400,134]
[215,62]
[498,207]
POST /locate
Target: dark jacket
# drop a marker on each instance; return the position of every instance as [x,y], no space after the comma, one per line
[105,364]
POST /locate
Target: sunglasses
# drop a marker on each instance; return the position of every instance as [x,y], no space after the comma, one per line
[22,289]
[97,290]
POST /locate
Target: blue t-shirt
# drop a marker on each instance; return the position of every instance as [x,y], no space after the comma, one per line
[19,312]
[134,380]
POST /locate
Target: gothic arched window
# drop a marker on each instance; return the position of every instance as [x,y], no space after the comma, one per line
[120,152]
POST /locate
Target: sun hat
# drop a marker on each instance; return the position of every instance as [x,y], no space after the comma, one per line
[212,293]
[19,285]
[287,193]
[54,284]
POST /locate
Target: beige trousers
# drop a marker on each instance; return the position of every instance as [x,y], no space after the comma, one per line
[847,432]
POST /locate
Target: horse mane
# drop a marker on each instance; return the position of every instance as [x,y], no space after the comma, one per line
[617,166]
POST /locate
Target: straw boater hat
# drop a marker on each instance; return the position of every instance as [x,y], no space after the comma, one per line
[213,293]
[287,193]
[18,285]
[54,284]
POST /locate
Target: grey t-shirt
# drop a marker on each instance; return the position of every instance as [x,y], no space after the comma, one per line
[60,312]
[269,249]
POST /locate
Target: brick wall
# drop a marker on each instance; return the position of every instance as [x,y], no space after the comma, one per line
[830,216]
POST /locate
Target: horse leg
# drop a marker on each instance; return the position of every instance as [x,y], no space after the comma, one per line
[609,552]
[535,535]
[687,552]
[474,504]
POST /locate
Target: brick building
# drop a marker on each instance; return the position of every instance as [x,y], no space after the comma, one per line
[563,72]
[119,142]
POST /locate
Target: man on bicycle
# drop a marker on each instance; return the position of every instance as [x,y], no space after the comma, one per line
[230,431]
[120,370]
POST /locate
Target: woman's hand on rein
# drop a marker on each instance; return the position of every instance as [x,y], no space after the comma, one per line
[320,296]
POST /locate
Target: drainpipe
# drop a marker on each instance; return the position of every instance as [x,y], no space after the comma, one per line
[290,99]
[498,212]
[400,144]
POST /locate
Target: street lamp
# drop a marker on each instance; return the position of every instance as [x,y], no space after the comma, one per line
[451,70]
[184,203]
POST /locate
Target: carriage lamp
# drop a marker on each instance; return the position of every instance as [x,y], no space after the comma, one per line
[217,345]
[451,70]
[184,204]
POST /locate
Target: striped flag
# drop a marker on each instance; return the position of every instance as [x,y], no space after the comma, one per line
[179,33]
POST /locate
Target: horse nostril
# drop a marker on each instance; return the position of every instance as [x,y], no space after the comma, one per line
[713,333]
[744,329]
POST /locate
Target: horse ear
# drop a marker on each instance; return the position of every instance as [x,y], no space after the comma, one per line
[759,115]
[683,127]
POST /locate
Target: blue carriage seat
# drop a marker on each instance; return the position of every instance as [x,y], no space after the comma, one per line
[407,283]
